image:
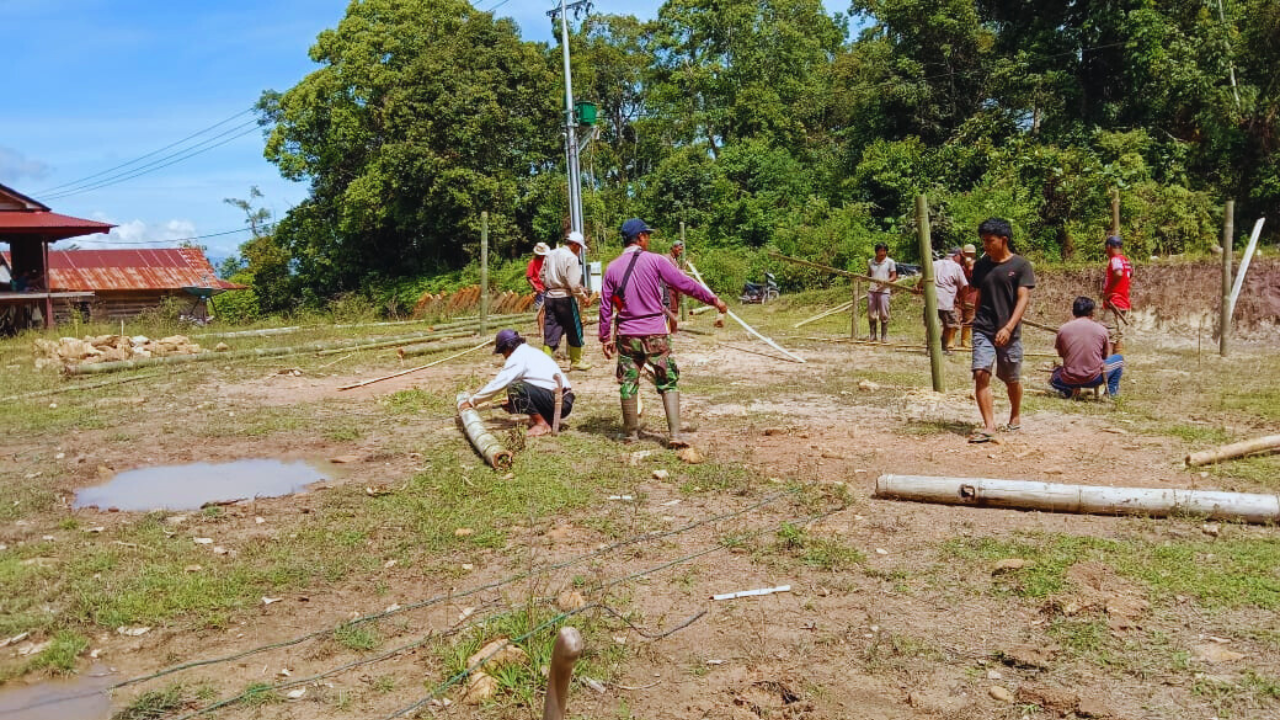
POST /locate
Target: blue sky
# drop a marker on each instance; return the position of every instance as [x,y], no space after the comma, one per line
[92,84]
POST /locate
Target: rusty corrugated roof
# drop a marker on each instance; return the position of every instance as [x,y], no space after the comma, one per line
[49,225]
[154,269]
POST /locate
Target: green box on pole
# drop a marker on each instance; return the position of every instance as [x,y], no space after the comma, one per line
[585,112]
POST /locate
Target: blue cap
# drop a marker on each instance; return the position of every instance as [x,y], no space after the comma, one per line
[634,227]
[1115,241]
[506,340]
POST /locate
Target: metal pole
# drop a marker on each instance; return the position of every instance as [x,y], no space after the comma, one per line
[484,272]
[1224,318]
[571,142]
[930,295]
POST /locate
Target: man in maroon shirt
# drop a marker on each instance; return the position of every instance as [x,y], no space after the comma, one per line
[1115,289]
[1087,359]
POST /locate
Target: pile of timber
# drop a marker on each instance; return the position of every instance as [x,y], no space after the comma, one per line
[468,298]
[68,352]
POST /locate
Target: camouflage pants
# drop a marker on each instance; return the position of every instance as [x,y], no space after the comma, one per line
[635,352]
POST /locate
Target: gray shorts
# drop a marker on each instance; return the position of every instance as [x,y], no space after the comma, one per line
[878,306]
[1007,359]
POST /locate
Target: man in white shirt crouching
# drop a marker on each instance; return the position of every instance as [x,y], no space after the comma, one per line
[530,379]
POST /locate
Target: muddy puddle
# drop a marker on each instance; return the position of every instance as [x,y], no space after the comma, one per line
[80,698]
[189,487]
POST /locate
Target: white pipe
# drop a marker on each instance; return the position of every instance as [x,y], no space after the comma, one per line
[1244,267]
[743,323]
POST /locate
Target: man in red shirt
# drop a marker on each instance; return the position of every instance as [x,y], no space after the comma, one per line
[533,274]
[1115,289]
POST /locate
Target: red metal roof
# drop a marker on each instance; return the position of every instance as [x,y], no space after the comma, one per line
[157,269]
[49,225]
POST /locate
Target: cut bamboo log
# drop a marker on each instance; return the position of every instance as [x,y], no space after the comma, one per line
[454,356]
[1087,499]
[1244,267]
[481,439]
[744,324]
[828,313]
[1257,446]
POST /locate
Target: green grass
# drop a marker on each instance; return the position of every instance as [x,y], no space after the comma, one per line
[1227,573]
[360,637]
[57,659]
[822,553]
[161,703]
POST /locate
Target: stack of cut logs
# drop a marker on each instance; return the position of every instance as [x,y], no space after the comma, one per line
[68,351]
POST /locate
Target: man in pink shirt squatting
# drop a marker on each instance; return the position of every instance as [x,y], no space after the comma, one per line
[631,296]
[1087,358]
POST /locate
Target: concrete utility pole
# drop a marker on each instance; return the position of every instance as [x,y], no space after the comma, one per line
[580,7]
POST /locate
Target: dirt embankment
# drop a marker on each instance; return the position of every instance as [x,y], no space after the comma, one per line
[1180,297]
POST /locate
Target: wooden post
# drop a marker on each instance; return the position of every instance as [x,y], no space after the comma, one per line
[856,285]
[1115,211]
[1224,321]
[932,327]
[484,272]
[684,301]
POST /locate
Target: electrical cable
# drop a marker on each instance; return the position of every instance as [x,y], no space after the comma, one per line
[144,157]
[152,167]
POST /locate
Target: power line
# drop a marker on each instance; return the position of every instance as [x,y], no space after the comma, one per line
[144,157]
[185,154]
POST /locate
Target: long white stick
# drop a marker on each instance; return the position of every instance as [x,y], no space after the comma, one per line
[362,383]
[1244,267]
[1092,499]
[832,311]
[744,325]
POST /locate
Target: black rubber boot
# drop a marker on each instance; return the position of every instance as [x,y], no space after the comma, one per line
[631,419]
[671,403]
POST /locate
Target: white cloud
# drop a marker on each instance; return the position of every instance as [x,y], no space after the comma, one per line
[16,167]
[139,234]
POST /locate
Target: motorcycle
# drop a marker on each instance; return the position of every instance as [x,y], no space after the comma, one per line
[754,294]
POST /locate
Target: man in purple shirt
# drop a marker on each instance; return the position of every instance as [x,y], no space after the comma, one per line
[631,297]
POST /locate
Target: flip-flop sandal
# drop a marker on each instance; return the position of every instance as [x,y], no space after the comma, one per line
[1010,428]
[980,436]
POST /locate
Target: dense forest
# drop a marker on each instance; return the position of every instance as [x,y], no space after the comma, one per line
[771,124]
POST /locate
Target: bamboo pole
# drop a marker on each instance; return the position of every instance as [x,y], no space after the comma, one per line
[454,356]
[1228,237]
[1257,446]
[1088,499]
[82,386]
[900,285]
[684,301]
[933,331]
[319,347]
[484,272]
[747,327]
[826,313]
[484,442]
[1244,267]
[856,285]
[1115,211]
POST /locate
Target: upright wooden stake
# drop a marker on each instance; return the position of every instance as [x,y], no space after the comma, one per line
[1115,211]
[856,286]
[930,294]
[1224,320]
[484,272]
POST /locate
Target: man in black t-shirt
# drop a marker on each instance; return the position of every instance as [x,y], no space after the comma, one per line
[1003,281]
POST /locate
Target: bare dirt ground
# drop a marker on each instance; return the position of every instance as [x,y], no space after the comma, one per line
[895,610]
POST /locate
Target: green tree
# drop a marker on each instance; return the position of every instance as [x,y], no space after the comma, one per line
[422,114]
